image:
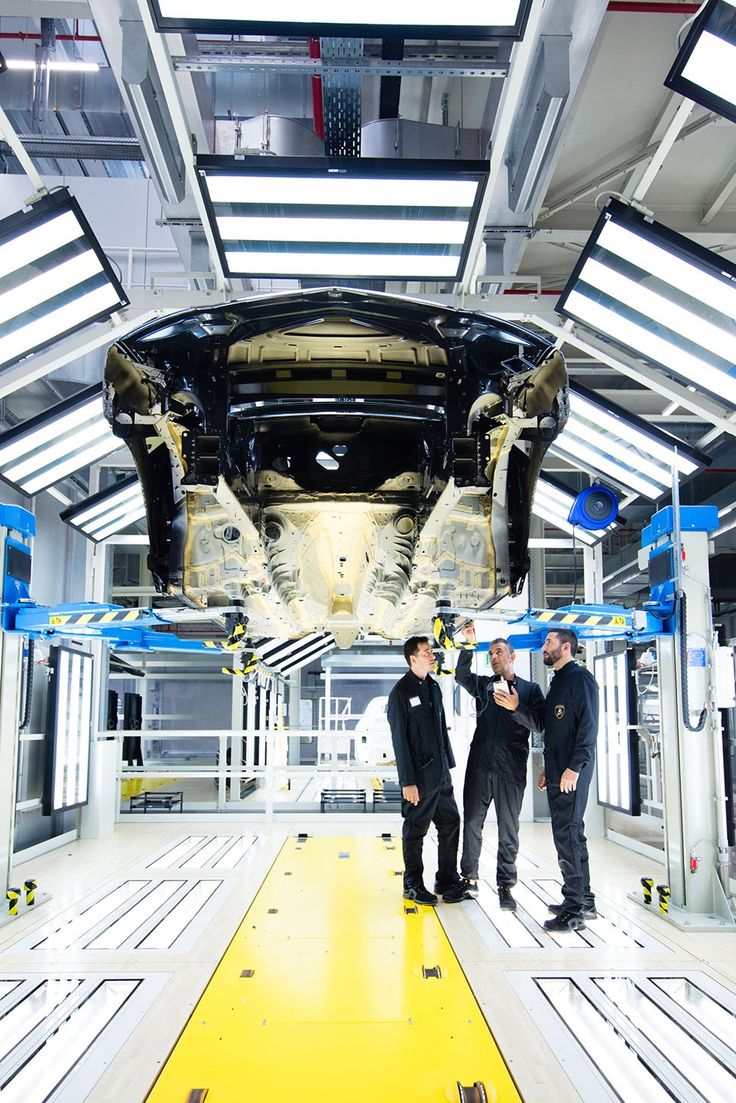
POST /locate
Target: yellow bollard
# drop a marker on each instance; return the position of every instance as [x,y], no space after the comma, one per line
[647,884]
[30,886]
[13,898]
[664,898]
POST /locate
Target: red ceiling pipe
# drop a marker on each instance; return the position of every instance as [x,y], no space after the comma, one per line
[654,9]
[317,105]
[59,37]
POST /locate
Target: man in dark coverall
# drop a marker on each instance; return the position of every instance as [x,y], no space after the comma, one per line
[423,760]
[570,732]
[497,762]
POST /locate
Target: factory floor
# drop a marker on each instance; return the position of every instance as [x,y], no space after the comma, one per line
[99,983]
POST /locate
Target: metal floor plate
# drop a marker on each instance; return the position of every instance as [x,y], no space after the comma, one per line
[59,1033]
[202,852]
[637,1037]
[140,914]
[524,928]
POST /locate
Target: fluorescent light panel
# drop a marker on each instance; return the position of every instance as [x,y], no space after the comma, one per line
[602,438]
[69,731]
[54,66]
[384,18]
[553,504]
[46,449]
[705,68]
[348,219]
[109,511]
[617,784]
[54,277]
[659,295]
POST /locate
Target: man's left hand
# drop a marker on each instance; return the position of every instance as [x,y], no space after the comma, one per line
[508,701]
[569,781]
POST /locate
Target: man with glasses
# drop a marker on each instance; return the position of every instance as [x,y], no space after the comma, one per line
[423,759]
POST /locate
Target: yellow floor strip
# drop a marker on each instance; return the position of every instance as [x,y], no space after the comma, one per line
[321,995]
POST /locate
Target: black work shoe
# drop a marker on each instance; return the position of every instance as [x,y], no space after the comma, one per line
[422,895]
[441,887]
[588,912]
[455,893]
[565,921]
[505,900]
[470,884]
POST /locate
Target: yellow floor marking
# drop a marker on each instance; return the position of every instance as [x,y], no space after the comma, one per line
[337,1009]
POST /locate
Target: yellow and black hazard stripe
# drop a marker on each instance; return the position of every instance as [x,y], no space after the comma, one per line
[443,638]
[580,620]
[248,663]
[80,620]
[233,641]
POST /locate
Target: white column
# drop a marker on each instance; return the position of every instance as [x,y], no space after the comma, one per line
[99,815]
[595,818]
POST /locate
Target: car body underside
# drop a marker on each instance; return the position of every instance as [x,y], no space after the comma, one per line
[336,460]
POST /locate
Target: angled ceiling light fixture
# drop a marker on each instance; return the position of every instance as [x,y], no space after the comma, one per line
[621,447]
[63,439]
[109,511]
[705,68]
[467,19]
[54,277]
[352,218]
[659,295]
[553,502]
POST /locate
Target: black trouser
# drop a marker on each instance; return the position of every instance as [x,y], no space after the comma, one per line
[435,806]
[568,831]
[481,787]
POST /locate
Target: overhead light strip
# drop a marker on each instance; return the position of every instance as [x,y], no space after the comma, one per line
[465,19]
[605,439]
[108,511]
[704,68]
[66,438]
[53,66]
[660,296]
[348,218]
[54,277]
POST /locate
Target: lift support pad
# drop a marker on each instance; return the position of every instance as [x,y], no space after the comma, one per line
[335,989]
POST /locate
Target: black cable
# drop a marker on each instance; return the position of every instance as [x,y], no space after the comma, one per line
[682,627]
[29,689]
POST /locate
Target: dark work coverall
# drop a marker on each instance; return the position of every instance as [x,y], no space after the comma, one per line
[424,758]
[570,734]
[496,769]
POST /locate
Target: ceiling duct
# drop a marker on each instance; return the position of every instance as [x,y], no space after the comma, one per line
[395,138]
[266,134]
[147,105]
[406,138]
[537,119]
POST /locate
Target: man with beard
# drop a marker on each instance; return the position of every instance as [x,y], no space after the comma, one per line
[570,733]
[497,762]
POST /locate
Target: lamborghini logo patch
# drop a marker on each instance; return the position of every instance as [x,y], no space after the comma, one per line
[559,711]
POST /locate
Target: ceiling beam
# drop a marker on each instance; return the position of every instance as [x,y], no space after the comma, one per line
[608,175]
[665,146]
[577,23]
[719,198]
